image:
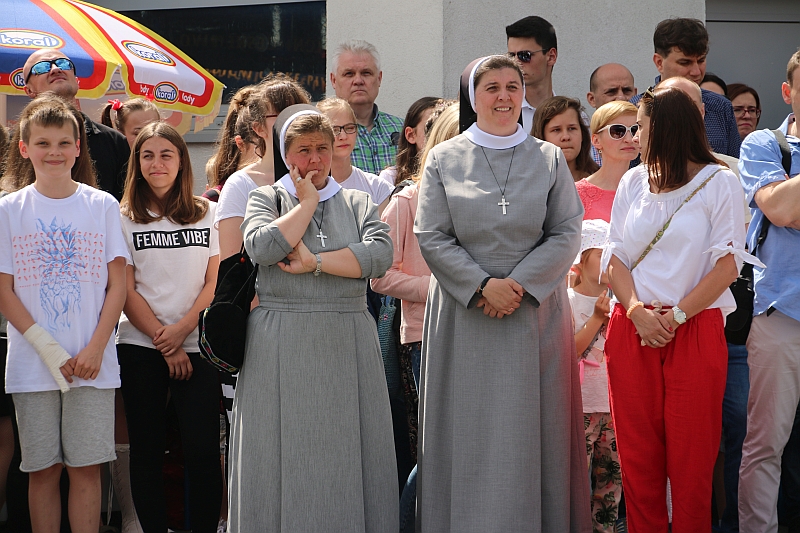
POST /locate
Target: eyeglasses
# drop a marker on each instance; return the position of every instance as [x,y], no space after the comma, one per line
[349,129]
[618,131]
[740,111]
[43,67]
[525,55]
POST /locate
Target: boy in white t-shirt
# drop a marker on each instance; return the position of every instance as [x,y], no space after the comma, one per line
[62,288]
[590,308]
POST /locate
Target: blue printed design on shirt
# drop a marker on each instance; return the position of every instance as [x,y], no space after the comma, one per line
[60,266]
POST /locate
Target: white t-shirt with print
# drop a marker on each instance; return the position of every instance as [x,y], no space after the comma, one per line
[169,262]
[233,197]
[377,188]
[58,251]
[595,378]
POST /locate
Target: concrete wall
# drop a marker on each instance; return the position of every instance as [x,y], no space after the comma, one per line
[426,45]
[409,37]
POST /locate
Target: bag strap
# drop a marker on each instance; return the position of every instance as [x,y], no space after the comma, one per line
[786,161]
[588,349]
[666,225]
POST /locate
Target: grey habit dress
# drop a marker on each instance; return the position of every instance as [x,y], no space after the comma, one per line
[502,446]
[312,448]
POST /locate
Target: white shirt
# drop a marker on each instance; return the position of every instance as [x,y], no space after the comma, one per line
[169,263]
[233,197]
[390,175]
[527,116]
[377,188]
[58,251]
[594,388]
[697,236]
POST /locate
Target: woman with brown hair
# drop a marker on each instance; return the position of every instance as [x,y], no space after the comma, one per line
[676,244]
[129,117]
[411,141]
[746,107]
[175,257]
[559,120]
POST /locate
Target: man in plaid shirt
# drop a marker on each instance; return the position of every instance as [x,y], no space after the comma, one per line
[356,77]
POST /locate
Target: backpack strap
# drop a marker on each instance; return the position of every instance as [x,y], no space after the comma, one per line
[786,161]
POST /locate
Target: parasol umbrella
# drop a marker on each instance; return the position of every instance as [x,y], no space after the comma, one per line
[101,42]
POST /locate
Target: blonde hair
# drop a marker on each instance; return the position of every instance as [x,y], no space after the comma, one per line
[445,127]
[334,104]
[610,111]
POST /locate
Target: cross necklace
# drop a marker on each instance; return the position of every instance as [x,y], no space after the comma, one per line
[321,236]
[502,203]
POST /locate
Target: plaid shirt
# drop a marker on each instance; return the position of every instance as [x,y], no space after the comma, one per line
[721,130]
[376,149]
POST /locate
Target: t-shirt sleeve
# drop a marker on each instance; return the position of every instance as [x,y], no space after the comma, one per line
[381,189]
[115,240]
[125,224]
[232,199]
[213,241]
[619,214]
[6,255]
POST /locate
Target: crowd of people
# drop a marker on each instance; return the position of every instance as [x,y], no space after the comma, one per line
[574,340]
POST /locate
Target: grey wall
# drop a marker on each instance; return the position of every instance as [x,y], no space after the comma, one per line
[751,42]
[426,45]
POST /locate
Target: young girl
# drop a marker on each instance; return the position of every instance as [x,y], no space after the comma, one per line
[62,287]
[558,120]
[590,308]
[129,117]
[411,142]
[171,278]
[236,147]
[345,130]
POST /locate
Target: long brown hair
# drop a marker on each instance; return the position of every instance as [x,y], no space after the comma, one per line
[273,94]
[46,110]
[551,108]
[407,162]
[179,205]
[227,157]
[676,137]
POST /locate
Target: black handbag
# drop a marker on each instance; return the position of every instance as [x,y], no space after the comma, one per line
[737,324]
[223,324]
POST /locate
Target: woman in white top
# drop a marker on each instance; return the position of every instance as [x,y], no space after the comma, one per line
[665,344]
[273,95]
[171,278]
[345,131]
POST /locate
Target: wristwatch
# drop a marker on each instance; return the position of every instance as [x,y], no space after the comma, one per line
[679,315]
[318,271]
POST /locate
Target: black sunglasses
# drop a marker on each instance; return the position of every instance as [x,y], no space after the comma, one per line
[43,67]
[525,55]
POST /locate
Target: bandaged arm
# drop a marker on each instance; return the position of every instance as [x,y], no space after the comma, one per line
[51,353]
[12,308]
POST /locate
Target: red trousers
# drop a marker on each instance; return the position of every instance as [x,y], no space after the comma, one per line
[667,409]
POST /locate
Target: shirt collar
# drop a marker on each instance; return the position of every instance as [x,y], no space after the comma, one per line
[790,119]
[487,140]
[89,125]
[326,193]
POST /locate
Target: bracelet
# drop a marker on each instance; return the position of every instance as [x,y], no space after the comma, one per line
[632,308]
[483,285]
[318,271]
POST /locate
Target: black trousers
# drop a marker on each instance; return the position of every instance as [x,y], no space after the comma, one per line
[145,382]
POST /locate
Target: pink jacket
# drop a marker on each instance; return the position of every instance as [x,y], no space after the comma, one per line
[409,276]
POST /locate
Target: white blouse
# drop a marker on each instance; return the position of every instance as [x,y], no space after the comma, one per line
[708,227]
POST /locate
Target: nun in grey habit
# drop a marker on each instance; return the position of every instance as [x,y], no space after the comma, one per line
[502,444]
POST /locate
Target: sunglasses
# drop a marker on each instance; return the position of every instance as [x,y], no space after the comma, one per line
[349,129]
[43,67]
[618,131]
[525,55]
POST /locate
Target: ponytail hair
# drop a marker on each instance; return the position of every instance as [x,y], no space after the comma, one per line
[115,113]
[227,157]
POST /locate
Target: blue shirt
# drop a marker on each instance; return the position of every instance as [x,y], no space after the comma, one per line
[778,285]
[721,130]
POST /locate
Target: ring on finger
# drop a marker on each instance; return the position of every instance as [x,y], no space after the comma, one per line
[299,179]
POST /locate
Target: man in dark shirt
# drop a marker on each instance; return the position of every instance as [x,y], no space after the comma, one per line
[108,148]
[681,46]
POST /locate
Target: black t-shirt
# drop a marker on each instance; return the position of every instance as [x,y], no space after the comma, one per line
[109,151]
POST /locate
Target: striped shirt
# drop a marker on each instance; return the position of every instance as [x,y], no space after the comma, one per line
[376,149]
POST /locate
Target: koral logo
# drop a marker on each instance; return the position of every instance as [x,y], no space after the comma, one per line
[148,53]
[166,92]
[21,38]
[17,80]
